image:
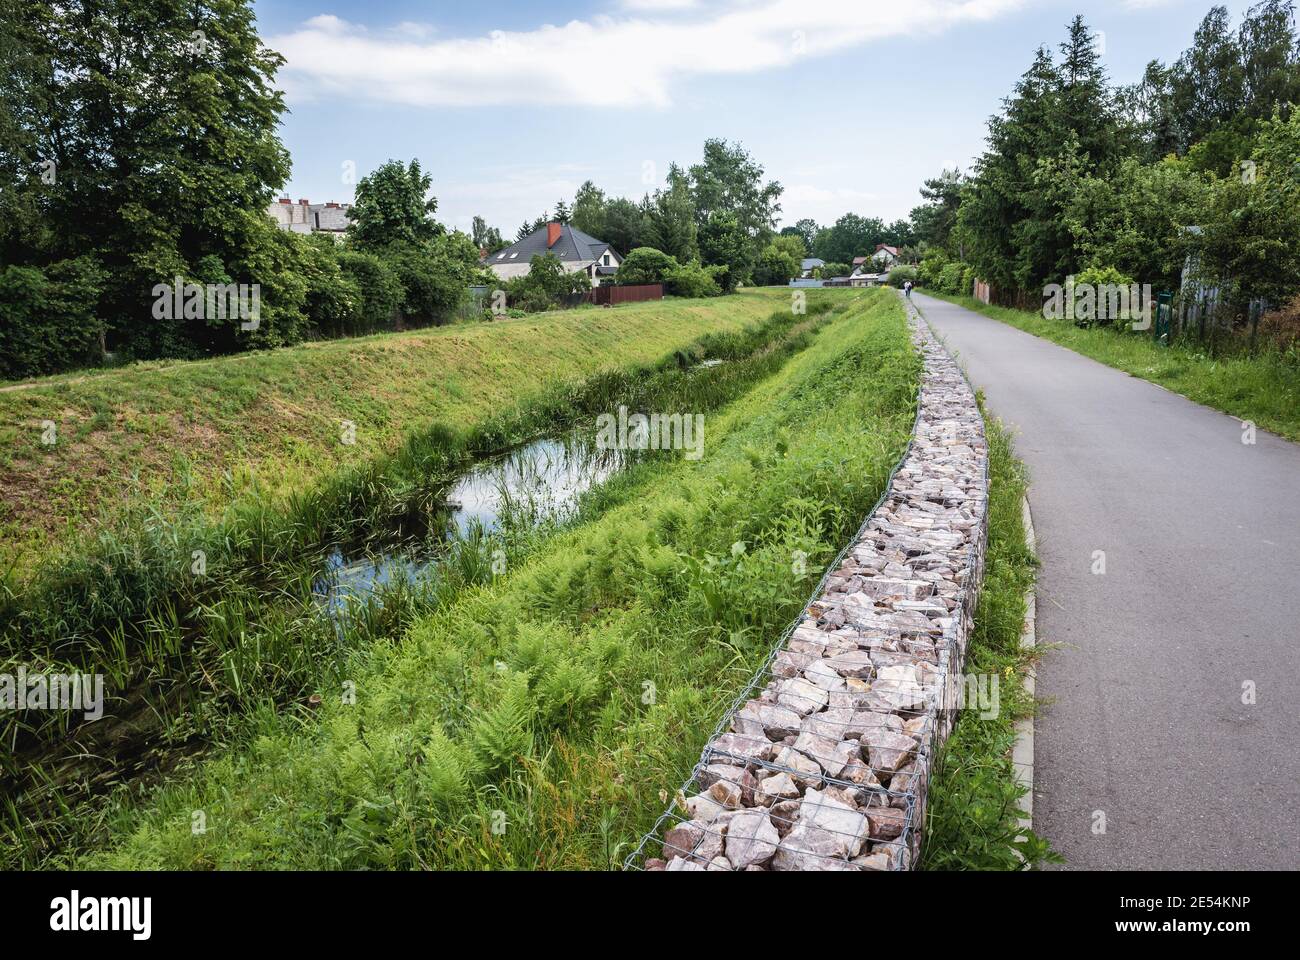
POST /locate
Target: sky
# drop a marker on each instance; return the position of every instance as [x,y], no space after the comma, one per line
[511,105]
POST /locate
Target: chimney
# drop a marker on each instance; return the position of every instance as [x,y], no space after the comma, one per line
[552,234]
[285,200]
[332,206]
[303,202]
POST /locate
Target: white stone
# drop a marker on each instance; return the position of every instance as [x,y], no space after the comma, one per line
[751,839]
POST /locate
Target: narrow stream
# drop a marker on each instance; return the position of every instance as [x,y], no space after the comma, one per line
[538,482]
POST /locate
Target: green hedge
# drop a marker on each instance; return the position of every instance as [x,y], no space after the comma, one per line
[692,280]
[47,317]
[380,289]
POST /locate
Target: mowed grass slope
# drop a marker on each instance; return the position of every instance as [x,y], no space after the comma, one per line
[208,430]
[544,718]
[1264,389]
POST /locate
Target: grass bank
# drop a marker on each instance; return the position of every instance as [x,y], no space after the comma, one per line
[1264,389]
[190,658]
[973,809]
[538,720]
[208,432]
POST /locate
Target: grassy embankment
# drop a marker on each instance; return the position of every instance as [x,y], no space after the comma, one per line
[1264,389]
[561,702]
[193,659]
[212,431]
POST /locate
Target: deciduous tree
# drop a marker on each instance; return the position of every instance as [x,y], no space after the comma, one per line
[393,205]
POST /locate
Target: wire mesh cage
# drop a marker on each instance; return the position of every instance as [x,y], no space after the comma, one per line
[823,761]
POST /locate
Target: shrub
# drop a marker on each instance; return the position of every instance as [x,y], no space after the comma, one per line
[48,317]
[333,297]
[1099,277]
[435,276]
[900,275]
[776,266]
[560,284]
[1280,328]
[380,290]
[723,277]
[931,266]
[547,285]
[270,258]
[645,265]
[950,277]
[527,298]
[691,280]
[267,258]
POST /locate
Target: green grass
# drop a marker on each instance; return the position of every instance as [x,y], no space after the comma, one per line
[205,432]
[973,808]
[561,702]
[193,660]
[1264,389]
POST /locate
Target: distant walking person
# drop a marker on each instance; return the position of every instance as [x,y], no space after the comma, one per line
[907,289]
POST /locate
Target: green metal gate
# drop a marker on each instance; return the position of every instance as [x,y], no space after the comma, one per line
[1160,329]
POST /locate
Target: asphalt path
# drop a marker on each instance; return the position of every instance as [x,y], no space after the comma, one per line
[1171,735]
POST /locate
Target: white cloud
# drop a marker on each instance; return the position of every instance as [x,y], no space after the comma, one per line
[507,195]
[642,5]
[410,28]
[801,200]
[608,61]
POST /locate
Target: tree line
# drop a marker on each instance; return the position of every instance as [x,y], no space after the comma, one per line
[139,146]
[710,225]
[1196,165]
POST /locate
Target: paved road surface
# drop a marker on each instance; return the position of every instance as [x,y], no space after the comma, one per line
[1201,594]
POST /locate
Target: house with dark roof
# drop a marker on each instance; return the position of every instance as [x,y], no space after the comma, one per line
[810,264]
[574,249]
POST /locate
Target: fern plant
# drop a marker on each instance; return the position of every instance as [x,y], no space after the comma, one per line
[446,772]
[503,733]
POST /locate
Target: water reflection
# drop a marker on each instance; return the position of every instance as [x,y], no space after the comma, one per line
[538,482]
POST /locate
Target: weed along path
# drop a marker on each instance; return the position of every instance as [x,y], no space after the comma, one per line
[1169,555]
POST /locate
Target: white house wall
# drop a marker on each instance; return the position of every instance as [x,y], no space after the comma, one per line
[507,270]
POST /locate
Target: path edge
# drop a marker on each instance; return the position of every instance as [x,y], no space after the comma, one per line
[1022,754]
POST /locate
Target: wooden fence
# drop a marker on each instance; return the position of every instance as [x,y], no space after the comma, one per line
[611,294]
[1195,312]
